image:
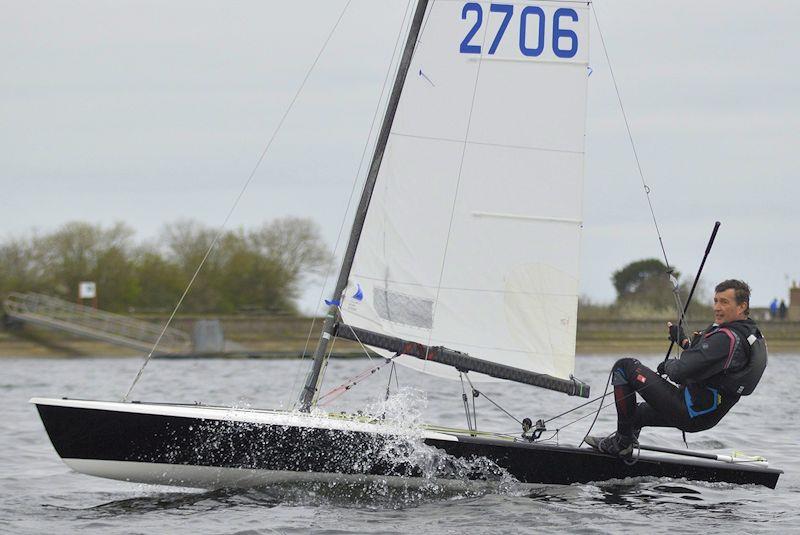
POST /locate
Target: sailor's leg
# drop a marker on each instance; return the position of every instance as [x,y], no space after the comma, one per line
[621,443]
[623,376]
[664,404]
[647,416]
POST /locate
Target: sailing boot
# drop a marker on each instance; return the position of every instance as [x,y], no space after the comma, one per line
[615,444]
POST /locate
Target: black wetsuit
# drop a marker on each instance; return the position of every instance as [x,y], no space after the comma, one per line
[699,402]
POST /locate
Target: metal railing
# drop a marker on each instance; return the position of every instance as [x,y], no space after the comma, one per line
[80,320]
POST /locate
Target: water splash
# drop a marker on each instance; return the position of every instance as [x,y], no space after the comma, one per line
[377,458]
[433,469]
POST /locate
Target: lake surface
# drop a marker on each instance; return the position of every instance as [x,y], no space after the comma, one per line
[39,494]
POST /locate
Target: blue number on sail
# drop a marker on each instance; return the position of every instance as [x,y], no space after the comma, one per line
[568,34]
[508,9]
[523,29]
[467,48]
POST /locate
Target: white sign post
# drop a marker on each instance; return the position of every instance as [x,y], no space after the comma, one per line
[87,290]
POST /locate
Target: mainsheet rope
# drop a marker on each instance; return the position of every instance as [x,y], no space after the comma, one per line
[557,430]
[476,391]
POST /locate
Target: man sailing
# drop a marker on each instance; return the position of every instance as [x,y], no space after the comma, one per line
[717,367]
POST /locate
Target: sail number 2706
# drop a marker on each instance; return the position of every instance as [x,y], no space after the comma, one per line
[529,15]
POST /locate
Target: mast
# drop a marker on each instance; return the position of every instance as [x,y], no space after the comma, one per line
[311,388]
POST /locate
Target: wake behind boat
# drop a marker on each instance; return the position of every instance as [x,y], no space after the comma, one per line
[462,262]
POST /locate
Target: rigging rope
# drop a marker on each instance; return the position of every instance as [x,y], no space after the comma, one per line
[466,403]
[363,347]
[355,380]
[600,408]
[670,271]
[472,419]
[596,413]
[630,135]
[673,280]
[476,393]
[474,413]
[375,114]
[392,371]
[238,197]
[557,430]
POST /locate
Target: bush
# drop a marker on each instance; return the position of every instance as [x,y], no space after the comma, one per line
[261,270]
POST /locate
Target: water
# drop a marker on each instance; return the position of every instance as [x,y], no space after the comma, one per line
[38,493]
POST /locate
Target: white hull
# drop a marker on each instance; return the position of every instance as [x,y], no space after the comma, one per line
[211,477]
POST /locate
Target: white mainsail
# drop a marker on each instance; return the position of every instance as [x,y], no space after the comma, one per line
[472,236]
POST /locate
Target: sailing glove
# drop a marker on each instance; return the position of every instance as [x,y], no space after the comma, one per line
[677,335]
[662,368]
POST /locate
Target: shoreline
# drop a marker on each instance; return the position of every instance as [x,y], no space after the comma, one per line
[287,338]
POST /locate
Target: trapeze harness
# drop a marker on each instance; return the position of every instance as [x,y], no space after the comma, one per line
[701,402]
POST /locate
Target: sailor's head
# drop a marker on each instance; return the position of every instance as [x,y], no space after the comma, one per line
[731,301]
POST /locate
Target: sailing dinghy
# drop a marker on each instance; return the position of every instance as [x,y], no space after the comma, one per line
[462,262]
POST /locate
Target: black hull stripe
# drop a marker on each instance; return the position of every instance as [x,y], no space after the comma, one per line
[82,433]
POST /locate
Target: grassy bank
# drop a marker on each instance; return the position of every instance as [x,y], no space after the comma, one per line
[650,336]
[286,336]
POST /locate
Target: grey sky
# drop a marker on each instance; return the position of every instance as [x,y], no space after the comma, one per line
[148,112]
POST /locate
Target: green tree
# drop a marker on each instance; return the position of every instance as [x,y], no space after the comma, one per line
[81,251]
[160,281]
[645,282]
[118,286]
[251,281]
[296,245]
[260,270]
[185,243]
[21,268]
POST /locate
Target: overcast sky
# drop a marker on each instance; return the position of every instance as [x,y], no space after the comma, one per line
[150,112]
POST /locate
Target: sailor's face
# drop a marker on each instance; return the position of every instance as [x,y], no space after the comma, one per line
[725,307]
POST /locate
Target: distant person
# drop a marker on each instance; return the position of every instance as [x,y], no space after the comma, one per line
[715,368]
[782,310]
[773,308]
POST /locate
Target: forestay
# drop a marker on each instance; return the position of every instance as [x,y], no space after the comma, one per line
[472,236]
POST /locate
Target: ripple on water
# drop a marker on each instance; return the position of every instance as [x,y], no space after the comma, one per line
[40,494]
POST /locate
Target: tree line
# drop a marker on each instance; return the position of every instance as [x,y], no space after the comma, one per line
[256,270]
[260,270]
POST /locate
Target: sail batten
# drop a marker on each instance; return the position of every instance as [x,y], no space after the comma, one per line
[488,290]
[529,217]
[463,141]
